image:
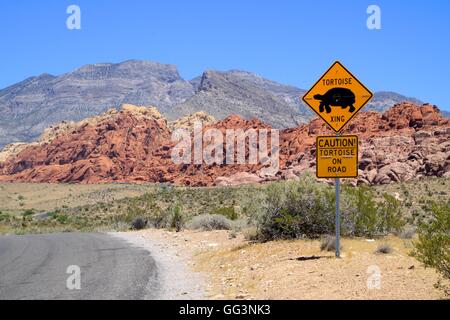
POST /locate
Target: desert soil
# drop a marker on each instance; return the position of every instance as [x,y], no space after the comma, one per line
[233,268]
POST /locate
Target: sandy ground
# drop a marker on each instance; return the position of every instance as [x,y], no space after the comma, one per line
[236,269]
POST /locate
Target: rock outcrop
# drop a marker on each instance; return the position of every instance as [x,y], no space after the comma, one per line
[134,144]
[13,149]
[187,122]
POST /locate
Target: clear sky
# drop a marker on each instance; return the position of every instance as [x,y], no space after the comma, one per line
[291,42]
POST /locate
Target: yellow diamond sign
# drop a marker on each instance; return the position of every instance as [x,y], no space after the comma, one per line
[337,96]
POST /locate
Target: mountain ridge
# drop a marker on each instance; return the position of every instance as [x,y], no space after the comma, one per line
[30,106]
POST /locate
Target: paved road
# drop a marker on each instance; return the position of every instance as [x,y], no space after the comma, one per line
[35,266]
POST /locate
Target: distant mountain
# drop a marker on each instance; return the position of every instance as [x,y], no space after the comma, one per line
[383,100]
[30,106]
[248,95]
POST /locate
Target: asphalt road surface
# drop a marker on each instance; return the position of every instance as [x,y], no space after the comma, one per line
[35,267]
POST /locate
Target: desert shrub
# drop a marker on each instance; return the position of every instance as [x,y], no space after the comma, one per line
[138,223]
[28,212]
[240,224]
[59,216]
[307,209]
[133,211]
[62,218]
[384,249]
[364,217]
[177,221]
[390,215]
[329,244]
[210,222]
[297,209]
[4,217]
[253,207]
[359,212]
[433,245]
[228,212]
[53,214]
[160,219]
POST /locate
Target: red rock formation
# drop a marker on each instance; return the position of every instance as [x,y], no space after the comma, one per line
[405,142]
[105,151]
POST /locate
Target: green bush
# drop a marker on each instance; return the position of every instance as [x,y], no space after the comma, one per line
[433,245]
[307,209]
[297,209]
[4,217]
[390,215]
[28,212]
[61,218]
[359,212]
[228,212]
[363,216]
[177,218]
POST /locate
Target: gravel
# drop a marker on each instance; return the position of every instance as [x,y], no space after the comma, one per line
[177,281]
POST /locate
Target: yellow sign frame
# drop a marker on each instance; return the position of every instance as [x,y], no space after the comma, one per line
[323,162]
[337,87]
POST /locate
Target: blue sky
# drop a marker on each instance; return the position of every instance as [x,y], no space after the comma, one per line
[292,42]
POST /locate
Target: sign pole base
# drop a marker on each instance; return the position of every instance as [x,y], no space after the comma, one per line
[338,218]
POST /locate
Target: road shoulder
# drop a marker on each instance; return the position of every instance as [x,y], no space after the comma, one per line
[178,281]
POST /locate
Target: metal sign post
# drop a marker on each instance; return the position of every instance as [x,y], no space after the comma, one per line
[338,218]
[338,215]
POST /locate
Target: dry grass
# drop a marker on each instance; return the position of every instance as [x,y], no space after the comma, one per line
[112,207]
[17,197]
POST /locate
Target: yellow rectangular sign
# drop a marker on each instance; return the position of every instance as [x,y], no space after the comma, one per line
[337,157]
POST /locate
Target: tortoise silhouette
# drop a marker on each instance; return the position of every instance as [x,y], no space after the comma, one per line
[336,97]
